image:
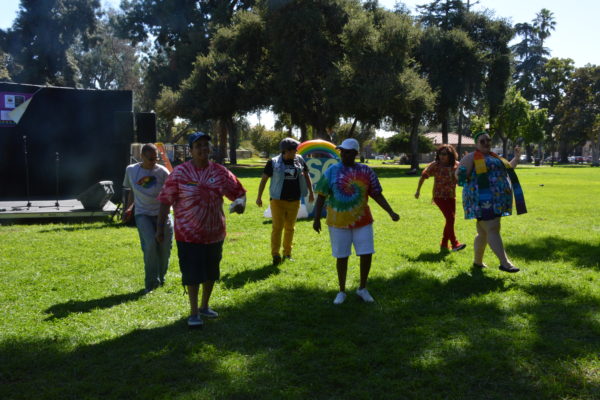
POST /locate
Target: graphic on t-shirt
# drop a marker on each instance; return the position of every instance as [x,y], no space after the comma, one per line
[291,173]
[147,181]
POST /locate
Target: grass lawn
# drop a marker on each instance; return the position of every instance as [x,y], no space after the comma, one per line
[75,324]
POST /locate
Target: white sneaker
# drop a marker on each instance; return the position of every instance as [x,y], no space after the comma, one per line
[365,295]
[340,298]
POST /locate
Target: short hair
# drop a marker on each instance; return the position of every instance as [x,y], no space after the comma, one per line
[288,144]
[452,155]
[149,147]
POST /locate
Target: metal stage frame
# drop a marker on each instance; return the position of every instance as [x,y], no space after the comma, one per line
[40,209]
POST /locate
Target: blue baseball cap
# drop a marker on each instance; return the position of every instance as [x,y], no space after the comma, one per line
[197,135]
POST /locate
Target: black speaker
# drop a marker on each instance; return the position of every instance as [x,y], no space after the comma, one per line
[96,196]
[145,126]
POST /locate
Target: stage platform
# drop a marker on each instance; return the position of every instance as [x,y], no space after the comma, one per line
[41,209]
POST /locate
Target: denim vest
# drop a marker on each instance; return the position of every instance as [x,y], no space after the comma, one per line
[279,176]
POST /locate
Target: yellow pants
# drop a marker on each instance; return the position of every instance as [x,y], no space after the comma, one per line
[283,214]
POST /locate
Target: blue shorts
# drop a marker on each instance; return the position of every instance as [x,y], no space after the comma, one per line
[199,262]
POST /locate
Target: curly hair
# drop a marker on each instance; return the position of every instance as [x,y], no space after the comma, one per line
[452,155]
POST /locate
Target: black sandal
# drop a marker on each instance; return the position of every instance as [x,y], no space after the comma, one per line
[508,269]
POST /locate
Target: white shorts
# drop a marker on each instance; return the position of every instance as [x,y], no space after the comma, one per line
[342,239]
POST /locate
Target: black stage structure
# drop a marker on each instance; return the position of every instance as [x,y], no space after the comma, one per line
[66,141]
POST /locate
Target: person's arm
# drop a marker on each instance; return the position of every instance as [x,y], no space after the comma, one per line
[239,205]
[466,164]
[261,188]
[318,209]
[311,194]
[515,161]
[418,192]
[163,212]
[127,213]
[380,199]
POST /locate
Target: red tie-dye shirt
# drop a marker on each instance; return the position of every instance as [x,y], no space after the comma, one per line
[444,183]
[196,195]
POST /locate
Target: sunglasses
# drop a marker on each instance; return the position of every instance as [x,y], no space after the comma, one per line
[444,154]
[485,141]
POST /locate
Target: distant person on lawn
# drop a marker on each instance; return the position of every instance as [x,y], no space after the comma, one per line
[290,181]
[195,189]
[489,183]
[443,170]
[347,186]
[145,181]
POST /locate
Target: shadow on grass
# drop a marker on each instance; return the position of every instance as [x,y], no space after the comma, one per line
[238,280]
[424,338]
[552,248]
[73,226]
[63,310]
[430,256]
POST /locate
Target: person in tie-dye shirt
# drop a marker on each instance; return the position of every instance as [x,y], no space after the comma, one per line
[196,189]
[347,187]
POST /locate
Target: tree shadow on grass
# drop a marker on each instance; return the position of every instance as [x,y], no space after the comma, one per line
[79,226]
[423,338]
[63,310]
[430,256]
[238,280]
[552,248]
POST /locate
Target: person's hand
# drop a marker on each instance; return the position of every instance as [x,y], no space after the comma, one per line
[395,217]
[417,194]
[311,197]
[159,236]
[517,152]
[259,202]
[317,225]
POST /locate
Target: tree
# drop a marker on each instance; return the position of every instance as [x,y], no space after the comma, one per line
[450,61]
[579,110]
[305,50]
[112,63]
[400,143]
[229,80]
[42,37]
[513,118]
[530,53]
[181,29]
[556,75]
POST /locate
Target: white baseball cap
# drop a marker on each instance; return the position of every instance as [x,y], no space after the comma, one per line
[349,144]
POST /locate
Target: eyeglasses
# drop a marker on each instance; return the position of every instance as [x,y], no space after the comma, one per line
[482,141]
[444,154]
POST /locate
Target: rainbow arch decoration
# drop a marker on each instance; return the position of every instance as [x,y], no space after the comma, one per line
[319,149]
[319,155]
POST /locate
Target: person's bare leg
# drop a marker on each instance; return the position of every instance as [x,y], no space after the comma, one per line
[207,288]
[365,267]
[193,296]
[494,239]
[342,271]
[479,244]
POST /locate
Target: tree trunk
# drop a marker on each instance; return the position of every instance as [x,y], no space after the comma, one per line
[222,146]
[232,131]
[460,133]
[445,128]
[564,152]
[303,133]
[596,151]
[414,143]
[353,128]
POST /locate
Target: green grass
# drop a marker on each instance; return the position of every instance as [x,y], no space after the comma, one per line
[75,324]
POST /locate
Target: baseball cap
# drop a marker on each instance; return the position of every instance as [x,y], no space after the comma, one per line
[197,135]
[288,144]
[349,144]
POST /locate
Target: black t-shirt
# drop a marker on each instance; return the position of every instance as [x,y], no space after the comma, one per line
[291,184]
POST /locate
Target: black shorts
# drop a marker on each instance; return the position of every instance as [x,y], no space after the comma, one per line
[199,262]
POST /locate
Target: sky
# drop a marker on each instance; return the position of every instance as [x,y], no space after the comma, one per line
[577,34]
